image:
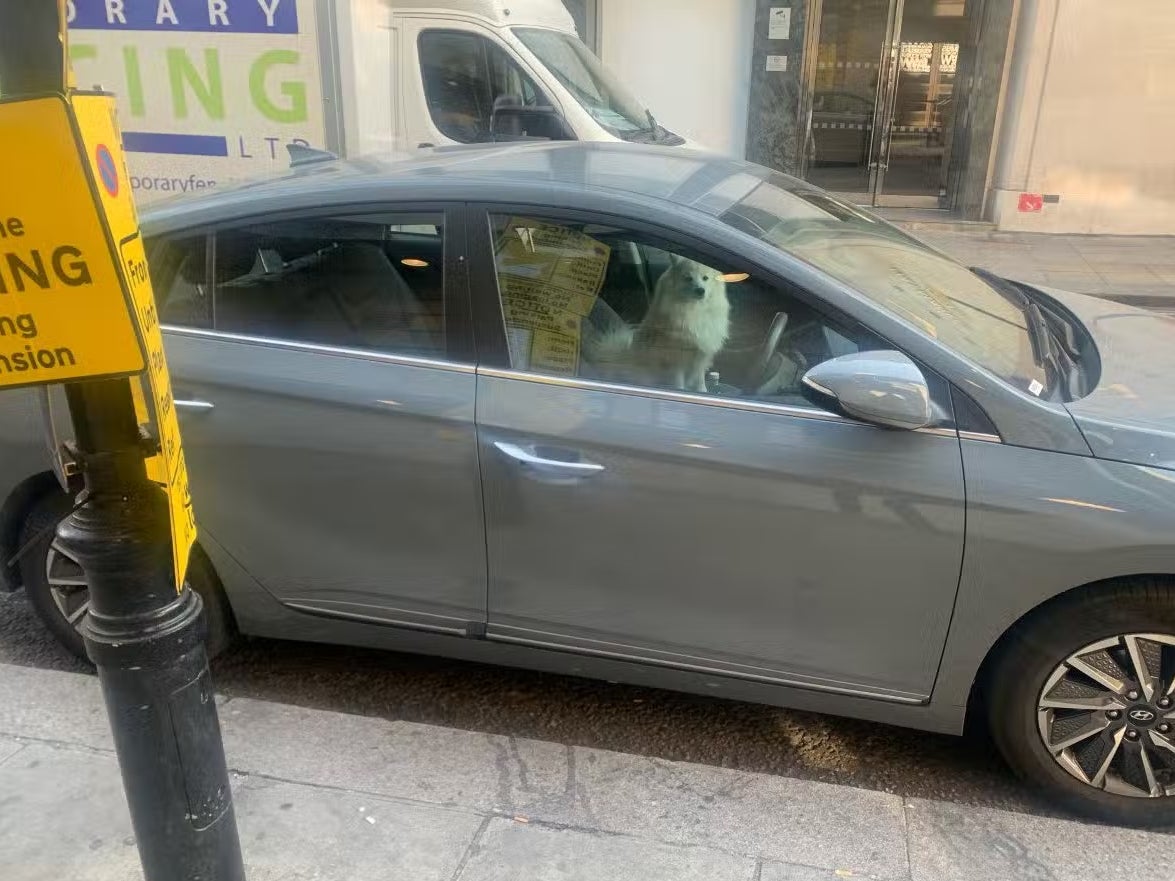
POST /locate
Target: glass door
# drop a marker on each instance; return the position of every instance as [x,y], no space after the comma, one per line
[882,99]
[912,166]
[847,88]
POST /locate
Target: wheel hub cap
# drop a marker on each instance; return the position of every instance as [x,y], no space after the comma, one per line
[67,585]
[1106,715]
[1142,716]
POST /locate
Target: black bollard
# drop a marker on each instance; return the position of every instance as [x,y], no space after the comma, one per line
[147,641]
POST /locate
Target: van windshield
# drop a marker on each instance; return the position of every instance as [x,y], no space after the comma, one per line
[596,88]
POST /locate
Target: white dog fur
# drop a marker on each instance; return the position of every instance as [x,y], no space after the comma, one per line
[674,346]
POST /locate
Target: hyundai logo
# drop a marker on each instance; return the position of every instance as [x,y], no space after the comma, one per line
[1141,715]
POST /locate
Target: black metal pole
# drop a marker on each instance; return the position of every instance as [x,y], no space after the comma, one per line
[148,644]
[32,56]
[146,638]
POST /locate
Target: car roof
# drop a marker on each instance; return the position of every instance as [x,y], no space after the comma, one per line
[562,174]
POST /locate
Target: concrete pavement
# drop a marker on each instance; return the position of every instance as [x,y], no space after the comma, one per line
[1134,269]
[324,795]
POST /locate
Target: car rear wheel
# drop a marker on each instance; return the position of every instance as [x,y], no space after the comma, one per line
[57,590]
[1082,703]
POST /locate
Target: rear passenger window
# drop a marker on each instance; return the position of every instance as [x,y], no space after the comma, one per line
[353,282]
[178,276]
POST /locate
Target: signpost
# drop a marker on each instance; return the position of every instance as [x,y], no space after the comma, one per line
[76,307]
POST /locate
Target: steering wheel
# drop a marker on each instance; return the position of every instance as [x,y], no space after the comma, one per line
[760,368]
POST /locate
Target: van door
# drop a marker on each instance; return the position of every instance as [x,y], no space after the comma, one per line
[451,72]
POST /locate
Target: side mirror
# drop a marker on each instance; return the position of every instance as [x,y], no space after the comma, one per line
[511,121]
[884,388]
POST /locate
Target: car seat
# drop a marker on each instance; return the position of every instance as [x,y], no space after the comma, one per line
[378,308]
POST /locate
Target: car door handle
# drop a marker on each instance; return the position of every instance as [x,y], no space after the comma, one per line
[531,459]
[193,405]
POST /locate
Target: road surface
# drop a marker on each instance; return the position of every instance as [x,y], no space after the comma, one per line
[586,713]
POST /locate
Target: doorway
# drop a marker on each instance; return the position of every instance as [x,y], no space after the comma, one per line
[882,104]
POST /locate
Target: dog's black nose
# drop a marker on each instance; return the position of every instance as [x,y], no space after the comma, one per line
[699,292]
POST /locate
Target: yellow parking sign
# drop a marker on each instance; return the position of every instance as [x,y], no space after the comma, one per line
[75,292]
[102,147]
[64,313]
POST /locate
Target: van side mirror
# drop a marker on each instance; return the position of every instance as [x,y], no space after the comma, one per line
[883,388]
[512,121]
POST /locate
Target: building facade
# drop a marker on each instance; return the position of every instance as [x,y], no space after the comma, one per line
[1038,115]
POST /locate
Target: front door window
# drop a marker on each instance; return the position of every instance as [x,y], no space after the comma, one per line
[464,74]
[596,302]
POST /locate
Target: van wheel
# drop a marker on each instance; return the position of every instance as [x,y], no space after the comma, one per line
[1082,702]
[57,590]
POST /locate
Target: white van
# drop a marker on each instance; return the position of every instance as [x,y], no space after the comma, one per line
[213,90]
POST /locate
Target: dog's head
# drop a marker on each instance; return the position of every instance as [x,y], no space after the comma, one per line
[691,281]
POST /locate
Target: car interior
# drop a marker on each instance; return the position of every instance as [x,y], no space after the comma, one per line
[353,284]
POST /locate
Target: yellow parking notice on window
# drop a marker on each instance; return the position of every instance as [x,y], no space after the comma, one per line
[75,292]
[64,313]
[550,277]
[102,148]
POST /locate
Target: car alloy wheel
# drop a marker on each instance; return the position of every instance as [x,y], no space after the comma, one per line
[67,585]
[1107,715]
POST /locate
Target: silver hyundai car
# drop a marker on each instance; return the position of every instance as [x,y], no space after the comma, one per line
[662,417]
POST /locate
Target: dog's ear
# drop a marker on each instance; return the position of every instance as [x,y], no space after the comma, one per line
[676,260]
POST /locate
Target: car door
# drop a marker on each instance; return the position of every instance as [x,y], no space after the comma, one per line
[322,372]
[740,530]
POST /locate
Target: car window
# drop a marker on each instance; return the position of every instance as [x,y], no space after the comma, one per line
[357,282]
[985,322]
[597,302]
[179,279]
[464,74]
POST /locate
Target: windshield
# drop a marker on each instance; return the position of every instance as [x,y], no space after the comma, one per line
[942,298]
[597,90]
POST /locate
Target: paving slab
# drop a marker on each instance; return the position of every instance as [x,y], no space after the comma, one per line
[398,759]
[329,795]
[293,832]
[779,818]
[950,842]
[790,872]
[512,851]
[762,815]
[8,748]
[63,816]
[75,713]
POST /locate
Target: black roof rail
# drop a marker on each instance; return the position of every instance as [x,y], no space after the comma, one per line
[301,155]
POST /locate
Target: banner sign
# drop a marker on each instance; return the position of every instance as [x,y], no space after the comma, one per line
[231,16]
[209,91]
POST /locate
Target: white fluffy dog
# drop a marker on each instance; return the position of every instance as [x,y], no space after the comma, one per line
[675,344]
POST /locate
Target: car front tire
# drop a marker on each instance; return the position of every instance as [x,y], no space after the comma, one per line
[56,589]
[1081,702]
